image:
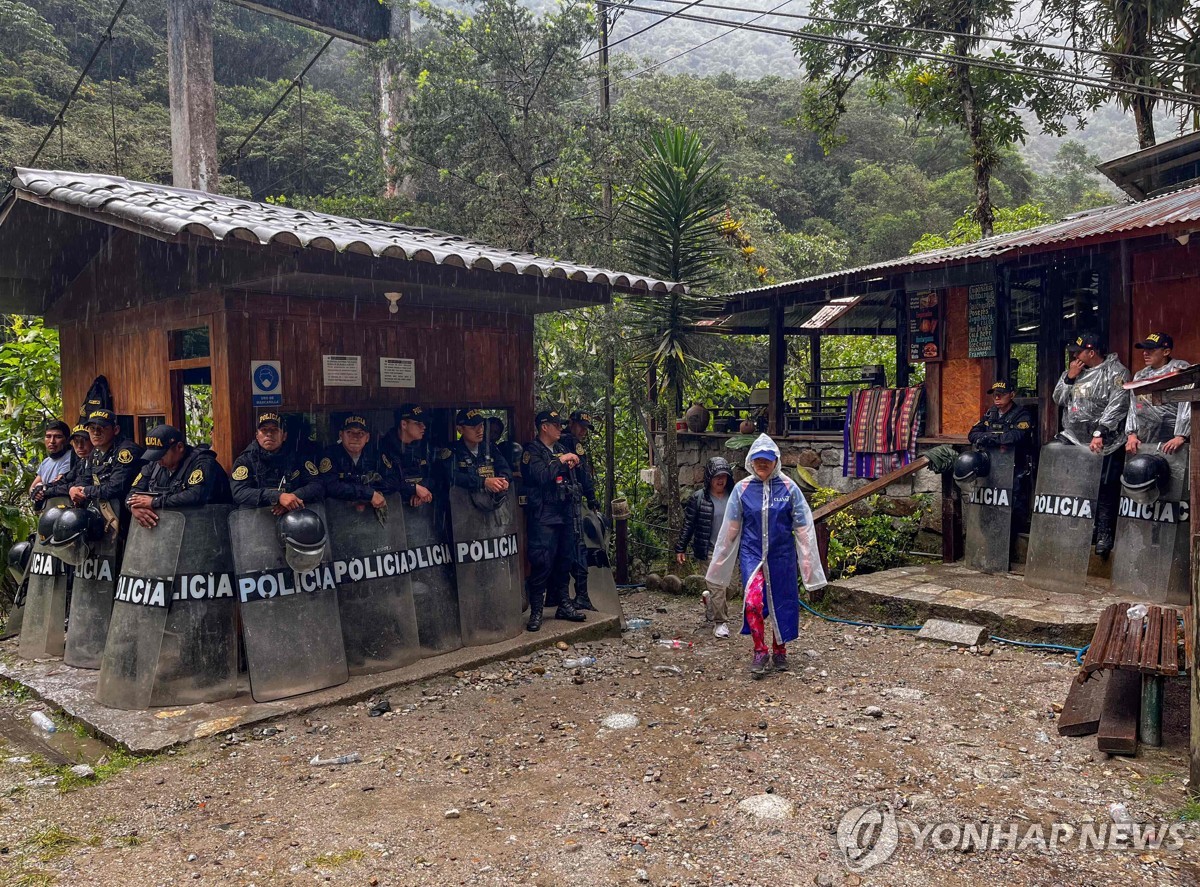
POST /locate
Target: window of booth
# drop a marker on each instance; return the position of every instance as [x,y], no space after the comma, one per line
[190,344]
[146,424]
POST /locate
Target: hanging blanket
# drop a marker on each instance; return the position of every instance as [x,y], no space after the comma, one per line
[880,434]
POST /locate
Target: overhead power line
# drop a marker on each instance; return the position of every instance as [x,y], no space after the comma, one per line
[939,32]
[1182,98]
[666,16]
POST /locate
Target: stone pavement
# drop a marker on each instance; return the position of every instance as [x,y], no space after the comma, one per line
[1003,603]
[72,690]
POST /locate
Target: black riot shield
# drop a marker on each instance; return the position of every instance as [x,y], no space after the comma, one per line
[1064,510]
[375,597]
[42,630]
[290,622]
[16,613]
[198,659]
[987,511]
[602,587]
[487,563]
[139,613]
[1151,553]
[92,600]
[429,563]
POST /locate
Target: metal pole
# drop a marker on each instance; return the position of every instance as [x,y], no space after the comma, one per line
[1150,723]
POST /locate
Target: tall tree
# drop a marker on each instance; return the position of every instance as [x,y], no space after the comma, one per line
[673,214]
[925,52]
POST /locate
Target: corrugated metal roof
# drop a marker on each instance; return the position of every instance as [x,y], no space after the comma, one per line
[177,212]
[1177,208]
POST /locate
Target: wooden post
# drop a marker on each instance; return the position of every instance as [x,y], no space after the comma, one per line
[1194,665]
[621,525]
[951,521]
[192,95]
[778,359]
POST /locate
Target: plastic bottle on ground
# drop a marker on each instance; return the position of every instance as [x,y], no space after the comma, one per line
[675,644]
[42,721]
[637,622]
[583,662]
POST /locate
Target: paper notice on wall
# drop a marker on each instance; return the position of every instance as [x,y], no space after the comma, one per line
[397,372]
[342,369]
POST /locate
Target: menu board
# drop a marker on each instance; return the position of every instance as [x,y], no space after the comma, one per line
[925,341]
[981,320]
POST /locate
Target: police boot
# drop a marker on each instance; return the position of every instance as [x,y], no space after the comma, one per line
[567,612]
[583,602]
[535,617]
[1104,541]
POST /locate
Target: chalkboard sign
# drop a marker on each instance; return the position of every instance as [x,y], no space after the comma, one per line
[925,326]
[981,320]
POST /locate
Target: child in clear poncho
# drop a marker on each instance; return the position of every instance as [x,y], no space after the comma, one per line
[769,532]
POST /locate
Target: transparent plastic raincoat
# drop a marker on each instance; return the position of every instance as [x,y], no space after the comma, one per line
[1157,423]
[1094,401]
[768,526]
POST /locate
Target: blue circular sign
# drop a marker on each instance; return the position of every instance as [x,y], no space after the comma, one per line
[266,377]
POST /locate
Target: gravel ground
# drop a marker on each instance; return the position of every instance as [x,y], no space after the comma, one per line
[506,776]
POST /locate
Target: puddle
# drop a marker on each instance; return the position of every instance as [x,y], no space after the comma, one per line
[63,747]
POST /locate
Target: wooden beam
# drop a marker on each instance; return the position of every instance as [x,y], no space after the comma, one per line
[1119,722]
[1192,625]
[777,351]
[360,21]
[1085,702]
[192,94]
[880,483]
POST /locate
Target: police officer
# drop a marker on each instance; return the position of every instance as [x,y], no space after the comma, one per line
[1095,409]
[574,440]
[1163,424]
[265,475]
[552,499]
[176,475]
[1009,426]
[472,463]
[405,445]
[108,471]
[81,443]
[354,471]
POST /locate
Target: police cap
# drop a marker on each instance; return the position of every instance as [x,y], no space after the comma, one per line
[270,418]
[159,440]
[584,419]
[354,421]
[79,431]
[1000,386]
[1085,341]
[1155,340]
[411,411]
[551,416]
[470,417]
[101,417]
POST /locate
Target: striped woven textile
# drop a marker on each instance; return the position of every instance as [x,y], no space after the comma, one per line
[880,434]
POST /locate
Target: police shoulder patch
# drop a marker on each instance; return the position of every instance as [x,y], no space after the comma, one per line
[241,472]
[385,460]
[137,480]
[580,450]
[444,453]
[326,465]
[1022,425]
[310,468]
[125,457]
[525,457]
[196,477]
[295,474]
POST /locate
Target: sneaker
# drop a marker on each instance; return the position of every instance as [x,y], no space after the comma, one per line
[721,631]
[758,667]
[779,661]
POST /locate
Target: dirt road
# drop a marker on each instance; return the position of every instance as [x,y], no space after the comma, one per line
[506,776]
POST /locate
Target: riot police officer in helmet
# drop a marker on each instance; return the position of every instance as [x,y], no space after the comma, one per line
[552,499]
[575,440]
[1009,425]
[264,475]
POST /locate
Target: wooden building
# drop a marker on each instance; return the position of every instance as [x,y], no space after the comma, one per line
[171,293]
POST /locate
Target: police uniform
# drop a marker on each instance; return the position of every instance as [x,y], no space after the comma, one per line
[1012,430]
[469,470]
[358,481]
[415,460]
[585,476]
[197,480]
[1157,423]
[551,506]
[103,475]
[260,477]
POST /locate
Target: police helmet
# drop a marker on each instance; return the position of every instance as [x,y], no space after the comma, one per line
[49,517]
[1146,477]
[18,560]
[595,533]
[512,452]
[75,528]
[717,465]
[971,467]
[302,533]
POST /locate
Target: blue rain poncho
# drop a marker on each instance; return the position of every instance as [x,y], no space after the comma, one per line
[769,526]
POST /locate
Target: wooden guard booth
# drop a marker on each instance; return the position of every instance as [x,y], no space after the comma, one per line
[160,289]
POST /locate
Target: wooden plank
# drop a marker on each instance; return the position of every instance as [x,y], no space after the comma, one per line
[1116,638]
[882,483]
[1169,643]
[1093,659]
[1152,644]
[1082,709]
[1119,718]
[1135,630]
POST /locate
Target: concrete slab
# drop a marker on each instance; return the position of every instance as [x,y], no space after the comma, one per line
[962,633]
[72,690]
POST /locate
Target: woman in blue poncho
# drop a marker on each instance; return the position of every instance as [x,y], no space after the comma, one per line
[769,532]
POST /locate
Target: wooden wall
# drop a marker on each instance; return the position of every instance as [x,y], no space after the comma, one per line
[959,383]
[1166,297]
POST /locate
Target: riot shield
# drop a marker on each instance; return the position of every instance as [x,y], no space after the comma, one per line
[1151,553]
[1064,509]
[487,563]
[92,600]
[16,613]
[139,613]
[602,587]
[290,622]
[42,630]
[987,510]
[375,599]
[198,659]
[429,562]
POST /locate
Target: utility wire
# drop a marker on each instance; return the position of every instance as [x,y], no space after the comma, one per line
[58,119]
[654,24]
[1182,98]
[938,32]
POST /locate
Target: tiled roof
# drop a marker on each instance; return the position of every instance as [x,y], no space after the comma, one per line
[177,212]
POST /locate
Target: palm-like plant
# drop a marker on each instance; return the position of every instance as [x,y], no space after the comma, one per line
[673,214]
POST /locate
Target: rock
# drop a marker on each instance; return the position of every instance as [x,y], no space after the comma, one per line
[961,633]
[83,771]
[641,875]
[452,813]
[767,807]
[823,880]
[653,582]
[672,584]
[812,654]
[873,711]
[619,722]
[695,584]
[808,458]
[562,645]
[909,693]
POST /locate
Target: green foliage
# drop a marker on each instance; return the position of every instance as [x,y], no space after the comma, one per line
[966,229]
[866,540]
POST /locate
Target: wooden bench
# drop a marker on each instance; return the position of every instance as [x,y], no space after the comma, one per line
[1148,647]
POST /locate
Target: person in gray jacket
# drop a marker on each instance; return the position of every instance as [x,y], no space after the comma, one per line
[702,517]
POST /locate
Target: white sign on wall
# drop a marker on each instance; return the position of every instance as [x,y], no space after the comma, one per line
[266,383]
[397,372]
[342,369]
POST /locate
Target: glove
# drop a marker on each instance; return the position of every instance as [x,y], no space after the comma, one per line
[381,514]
